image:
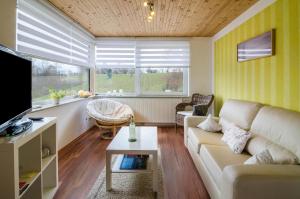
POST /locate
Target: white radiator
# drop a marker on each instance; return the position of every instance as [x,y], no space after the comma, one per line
[156,110]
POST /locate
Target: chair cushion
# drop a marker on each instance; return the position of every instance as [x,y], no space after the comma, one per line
[216,158]
[185,113]
[280,126]
[241,113]
[198,137]
[109,110]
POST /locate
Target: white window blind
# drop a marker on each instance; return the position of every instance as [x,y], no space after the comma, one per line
[162,54]
[142,67]
[43,33]
[115,54]
[143,54]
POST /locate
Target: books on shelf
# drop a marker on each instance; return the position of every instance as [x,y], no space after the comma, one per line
[22,186]
[134,162]
[25,180]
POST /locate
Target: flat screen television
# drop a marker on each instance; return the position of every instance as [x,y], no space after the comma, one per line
[16,85]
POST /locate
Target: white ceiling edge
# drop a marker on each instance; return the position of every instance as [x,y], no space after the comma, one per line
[250,12]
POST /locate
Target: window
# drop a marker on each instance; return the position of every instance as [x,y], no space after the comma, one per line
[52,75]
[59,50]
[142,68]
[115,71]
[162,80]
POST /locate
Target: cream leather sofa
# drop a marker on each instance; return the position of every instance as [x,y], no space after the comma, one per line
[223,172]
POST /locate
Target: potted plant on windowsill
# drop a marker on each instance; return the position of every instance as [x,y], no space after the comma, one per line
[56,95]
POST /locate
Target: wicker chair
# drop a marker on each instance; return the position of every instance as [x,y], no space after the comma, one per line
[200,105]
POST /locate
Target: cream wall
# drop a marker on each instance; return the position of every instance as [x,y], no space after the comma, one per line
[201,65]
[8,23]
[72,120]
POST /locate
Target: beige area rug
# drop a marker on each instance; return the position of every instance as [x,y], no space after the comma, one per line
[128,186]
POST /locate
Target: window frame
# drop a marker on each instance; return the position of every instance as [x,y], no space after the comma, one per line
[66,98]
[138,91]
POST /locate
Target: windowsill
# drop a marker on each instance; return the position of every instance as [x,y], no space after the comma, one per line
[141,96]
[64,102]
[69,101]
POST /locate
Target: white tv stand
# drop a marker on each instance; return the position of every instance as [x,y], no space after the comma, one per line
[21,155]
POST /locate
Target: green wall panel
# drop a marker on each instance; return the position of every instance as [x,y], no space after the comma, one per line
[272,80]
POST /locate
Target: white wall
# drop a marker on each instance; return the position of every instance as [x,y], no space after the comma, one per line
[201,62]
[152,110]
[72,120]
[8,23]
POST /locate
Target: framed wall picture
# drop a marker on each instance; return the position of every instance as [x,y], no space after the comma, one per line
[260,46]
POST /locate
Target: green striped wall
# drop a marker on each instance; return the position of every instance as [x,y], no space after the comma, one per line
[272,80]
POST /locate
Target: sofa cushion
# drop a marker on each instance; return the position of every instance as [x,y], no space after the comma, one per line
[216,158]
[197,137]
[280,155]
[280,126]
[239,112]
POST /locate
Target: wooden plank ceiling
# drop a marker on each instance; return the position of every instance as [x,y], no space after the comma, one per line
[172,17]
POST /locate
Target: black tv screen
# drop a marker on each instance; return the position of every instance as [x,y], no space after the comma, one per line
[15,85]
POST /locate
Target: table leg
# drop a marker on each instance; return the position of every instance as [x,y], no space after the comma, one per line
[108,171]
[155,172]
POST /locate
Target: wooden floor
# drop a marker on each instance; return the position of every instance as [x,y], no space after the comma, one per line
[81,162]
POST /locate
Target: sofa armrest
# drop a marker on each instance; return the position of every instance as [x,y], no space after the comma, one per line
[191,121]
[261,182]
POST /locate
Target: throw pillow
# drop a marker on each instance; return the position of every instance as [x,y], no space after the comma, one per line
[263,157]
[225,125]
[236,138]
[209,124]
[279,154]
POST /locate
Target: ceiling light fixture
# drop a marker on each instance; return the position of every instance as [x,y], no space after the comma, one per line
[150,5]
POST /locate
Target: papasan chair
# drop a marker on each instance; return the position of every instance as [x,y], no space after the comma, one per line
[109,114]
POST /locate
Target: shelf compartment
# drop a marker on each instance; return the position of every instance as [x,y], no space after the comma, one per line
[49,141]
[30,161]
[50,179]
[46,161]
[33,190]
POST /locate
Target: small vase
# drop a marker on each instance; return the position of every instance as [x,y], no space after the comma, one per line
[132,133]
[56,101]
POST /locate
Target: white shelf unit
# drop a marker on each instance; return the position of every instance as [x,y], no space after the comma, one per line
[21,160]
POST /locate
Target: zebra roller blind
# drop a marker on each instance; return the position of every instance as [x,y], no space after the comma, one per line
[43,33]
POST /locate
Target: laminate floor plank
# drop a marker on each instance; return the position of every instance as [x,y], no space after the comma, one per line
[81,162]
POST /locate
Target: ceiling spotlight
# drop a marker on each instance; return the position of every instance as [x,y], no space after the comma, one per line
[150,5]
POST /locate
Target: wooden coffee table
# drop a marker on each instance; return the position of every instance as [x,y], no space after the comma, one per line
[146,144]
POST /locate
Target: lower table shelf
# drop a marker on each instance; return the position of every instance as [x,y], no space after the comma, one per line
[117,163]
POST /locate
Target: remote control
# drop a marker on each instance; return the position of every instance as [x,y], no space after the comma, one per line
[36,118]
